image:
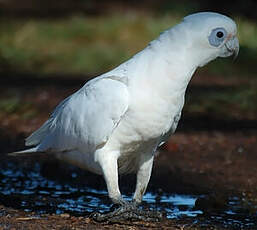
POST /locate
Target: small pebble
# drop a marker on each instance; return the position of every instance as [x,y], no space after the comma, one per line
[87,220]
[65,215]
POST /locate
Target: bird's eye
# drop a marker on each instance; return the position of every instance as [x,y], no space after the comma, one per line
[220,34]
[217,36]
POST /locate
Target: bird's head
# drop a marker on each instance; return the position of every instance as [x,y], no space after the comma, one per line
[210,35]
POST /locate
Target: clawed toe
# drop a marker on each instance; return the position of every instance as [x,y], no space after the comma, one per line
[126,212]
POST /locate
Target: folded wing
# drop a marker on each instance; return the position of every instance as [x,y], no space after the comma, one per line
[85,120]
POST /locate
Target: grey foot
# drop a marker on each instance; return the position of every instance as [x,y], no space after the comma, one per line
[128,211]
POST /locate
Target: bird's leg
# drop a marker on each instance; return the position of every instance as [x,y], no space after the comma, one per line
[143,176]
[109,165]
[128,211]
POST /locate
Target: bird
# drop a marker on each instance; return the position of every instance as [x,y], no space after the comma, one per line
[114,124]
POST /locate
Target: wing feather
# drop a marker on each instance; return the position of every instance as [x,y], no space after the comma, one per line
[86,119]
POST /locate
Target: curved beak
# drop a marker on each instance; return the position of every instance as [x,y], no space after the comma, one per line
[232,46]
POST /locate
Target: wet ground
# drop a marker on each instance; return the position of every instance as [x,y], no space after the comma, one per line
[203,178]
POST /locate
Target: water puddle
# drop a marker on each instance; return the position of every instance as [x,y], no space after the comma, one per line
[30,191]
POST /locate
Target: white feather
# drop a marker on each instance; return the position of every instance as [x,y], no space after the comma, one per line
[85,120]
[125,114]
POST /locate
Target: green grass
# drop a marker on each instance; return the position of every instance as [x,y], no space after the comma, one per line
[77,44]
[92,45]
[14,105]
[10,105]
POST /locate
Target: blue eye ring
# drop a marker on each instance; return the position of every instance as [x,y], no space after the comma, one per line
[217,36]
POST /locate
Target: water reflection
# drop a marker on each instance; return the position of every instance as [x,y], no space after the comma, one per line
[30,191]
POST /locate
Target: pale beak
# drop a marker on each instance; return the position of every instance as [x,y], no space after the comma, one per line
[232,46]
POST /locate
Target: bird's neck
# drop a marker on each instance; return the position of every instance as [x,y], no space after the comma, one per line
[169,61]
[164,69]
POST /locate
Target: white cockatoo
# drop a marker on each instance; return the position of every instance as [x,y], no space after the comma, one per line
[116,121]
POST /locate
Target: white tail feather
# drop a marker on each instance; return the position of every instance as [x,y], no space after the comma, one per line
[24,152]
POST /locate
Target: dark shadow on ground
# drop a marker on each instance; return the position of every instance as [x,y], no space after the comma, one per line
[38,80]
[201,123]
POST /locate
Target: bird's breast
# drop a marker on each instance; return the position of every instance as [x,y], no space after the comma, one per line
[145,123]
[149,118]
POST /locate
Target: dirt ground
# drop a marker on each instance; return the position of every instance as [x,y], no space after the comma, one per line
[195,163]
[214,161]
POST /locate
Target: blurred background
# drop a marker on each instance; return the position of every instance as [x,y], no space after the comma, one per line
[48,49]
[64,43]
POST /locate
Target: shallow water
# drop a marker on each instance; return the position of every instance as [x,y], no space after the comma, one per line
[29,190]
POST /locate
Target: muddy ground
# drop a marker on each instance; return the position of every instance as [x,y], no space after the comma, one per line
[211,157]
